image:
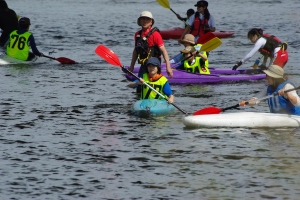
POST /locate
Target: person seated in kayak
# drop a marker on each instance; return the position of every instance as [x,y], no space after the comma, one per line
[20,42]
[201,22]
[195,64]
[188,40]
[189,13]
[155,79]
[267,45]
[287,103]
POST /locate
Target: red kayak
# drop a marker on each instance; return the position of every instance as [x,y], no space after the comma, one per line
[175,33]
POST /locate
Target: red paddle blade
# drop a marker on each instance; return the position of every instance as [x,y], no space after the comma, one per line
[208,111]
[108,55]
[64,60]
[205,38]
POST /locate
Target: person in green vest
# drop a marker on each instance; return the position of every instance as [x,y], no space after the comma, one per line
[188,40]
[155,79]
[20,42]
[195,64]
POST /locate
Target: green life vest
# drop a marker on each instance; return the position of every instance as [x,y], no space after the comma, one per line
[18,45]
[196,67]
[158,85]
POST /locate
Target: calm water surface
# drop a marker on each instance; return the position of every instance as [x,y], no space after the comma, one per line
[66,132]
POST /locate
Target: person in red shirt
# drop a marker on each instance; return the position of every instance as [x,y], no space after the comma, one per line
[148,43]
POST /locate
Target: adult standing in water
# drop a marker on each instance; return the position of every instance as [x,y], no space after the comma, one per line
[20,42]
[269,46]
[8,22]
[148,43]
[201,22]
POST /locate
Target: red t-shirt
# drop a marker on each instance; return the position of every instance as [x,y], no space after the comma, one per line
[154,39]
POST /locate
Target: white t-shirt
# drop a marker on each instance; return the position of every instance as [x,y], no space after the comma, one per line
[260,43]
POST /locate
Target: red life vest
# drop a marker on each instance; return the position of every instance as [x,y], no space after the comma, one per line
[198,26]
[271,44]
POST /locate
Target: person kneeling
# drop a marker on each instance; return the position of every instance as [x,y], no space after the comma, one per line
[155,79]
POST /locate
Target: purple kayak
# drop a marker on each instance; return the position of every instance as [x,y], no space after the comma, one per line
[227,71]
[217,75]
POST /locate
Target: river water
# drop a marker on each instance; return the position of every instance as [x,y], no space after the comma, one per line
[66,131]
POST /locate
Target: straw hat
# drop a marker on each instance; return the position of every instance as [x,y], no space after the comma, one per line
[274,71]
[188,49]
[188,38]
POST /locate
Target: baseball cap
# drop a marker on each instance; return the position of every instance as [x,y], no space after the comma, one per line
[201,3]
[154,61]
[24,21]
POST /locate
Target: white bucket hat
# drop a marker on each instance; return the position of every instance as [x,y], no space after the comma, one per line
[145,14]
[274,71]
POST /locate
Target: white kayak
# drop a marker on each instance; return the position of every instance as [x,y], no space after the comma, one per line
[6,60]
[243,119]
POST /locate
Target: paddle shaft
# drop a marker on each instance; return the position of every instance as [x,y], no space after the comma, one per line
[49,57]
[166,4]
[271,95]
[263,98]
[154,90]
[215,41]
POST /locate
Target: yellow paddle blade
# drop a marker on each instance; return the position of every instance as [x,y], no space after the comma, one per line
[211,44]
[164,3]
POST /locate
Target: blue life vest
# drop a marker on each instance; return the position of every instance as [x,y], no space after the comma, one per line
[279,104]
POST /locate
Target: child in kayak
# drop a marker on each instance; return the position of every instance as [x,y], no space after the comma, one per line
[269,46]
[188,40]
[189,13]
[287,103]
[20,42]
[155,79]
[195,64]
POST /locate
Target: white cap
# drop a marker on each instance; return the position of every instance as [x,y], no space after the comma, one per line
[145,14]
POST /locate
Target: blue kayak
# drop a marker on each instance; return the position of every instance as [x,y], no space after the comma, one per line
[152,107]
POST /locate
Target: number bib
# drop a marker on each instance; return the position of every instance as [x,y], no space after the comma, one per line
[18,45]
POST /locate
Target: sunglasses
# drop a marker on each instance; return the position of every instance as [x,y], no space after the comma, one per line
[201,6]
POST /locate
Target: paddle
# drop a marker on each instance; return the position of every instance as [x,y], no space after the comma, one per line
[211,44]
[205,38]
[208,46]
[113,59]
[166,4]
[214,110]
[62,60]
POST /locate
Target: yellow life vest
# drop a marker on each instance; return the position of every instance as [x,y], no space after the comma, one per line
[195,67]
[158,85]
[18,46]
